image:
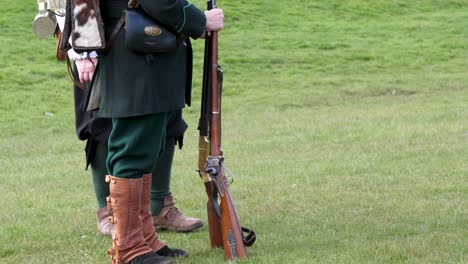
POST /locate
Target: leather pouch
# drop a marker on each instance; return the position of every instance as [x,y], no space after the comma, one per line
[146,35]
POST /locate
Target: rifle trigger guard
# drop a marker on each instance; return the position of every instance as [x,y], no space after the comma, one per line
[211,170]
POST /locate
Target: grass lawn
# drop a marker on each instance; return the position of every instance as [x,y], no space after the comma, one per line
[345,124]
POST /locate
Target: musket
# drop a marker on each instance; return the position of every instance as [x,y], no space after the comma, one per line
[224,227]
[214,216]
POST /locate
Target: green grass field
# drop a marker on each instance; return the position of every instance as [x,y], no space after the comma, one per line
[344,122]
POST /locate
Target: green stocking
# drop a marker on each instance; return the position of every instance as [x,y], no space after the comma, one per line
[99,171]
[134,145]
[160,186]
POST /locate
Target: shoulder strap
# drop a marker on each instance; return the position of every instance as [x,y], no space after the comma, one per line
[115,32]
[131,4]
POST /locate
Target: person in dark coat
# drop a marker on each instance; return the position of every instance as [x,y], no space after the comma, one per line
[139,91]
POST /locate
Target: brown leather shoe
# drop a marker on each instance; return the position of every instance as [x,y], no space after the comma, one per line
[104,226]
[171,218]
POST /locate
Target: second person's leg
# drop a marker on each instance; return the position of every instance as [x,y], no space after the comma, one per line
[165,214]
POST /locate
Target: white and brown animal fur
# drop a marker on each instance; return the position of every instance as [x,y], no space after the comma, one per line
[87,32]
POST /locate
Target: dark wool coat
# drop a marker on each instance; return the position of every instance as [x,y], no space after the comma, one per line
[134,84]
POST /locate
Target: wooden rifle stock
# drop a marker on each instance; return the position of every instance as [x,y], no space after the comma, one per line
[225,230]
[214,223]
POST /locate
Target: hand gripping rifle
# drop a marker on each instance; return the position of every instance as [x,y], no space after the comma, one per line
[224,228]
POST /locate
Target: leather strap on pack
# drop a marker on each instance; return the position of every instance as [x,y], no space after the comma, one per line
[115,32]
[131,4]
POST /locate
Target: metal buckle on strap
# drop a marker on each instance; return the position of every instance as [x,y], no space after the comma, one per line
[133,3]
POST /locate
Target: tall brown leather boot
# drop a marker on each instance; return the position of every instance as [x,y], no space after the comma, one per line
[149,232]
[129,245]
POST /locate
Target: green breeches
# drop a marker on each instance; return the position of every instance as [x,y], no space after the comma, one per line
[135,144]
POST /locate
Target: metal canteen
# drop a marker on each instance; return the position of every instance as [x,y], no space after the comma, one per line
[44,23]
